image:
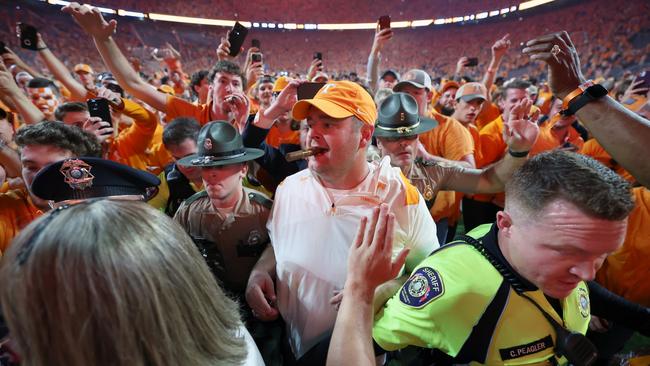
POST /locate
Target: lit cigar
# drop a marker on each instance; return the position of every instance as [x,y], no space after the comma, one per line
[303,154]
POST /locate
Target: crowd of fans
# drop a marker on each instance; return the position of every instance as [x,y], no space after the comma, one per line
[285,218]
[435,49]
[332,12]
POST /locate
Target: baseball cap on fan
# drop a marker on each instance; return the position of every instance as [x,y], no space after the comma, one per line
[471,91]
[339,99]
[416,77]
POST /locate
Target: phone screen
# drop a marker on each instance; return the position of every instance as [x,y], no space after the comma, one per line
[28,37]
[236,37]
[308,90]
[256,57]
[318,55]
[472,61]
[3,48]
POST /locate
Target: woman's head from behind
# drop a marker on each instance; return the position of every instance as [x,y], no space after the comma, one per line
[114,282]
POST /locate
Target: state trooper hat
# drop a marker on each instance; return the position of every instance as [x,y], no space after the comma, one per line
[86,177]
[398,117]
[220,144]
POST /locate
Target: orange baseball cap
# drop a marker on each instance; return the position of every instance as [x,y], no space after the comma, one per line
[340,99]
[280,83]
[449,84]
[471,91]
[83,68]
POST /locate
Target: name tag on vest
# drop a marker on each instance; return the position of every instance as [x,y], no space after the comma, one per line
[526,349]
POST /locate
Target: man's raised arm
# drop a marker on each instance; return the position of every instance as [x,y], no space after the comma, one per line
[92,22]
[623,134]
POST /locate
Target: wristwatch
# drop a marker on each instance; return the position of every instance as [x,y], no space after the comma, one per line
[584,94]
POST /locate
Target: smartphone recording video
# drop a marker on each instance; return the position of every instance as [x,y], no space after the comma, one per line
[236,37]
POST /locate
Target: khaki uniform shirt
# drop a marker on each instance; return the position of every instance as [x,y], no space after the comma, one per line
[428,177]
[231,245]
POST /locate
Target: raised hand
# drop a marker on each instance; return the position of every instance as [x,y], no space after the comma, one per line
[560,55]
[91,20]
[520,131]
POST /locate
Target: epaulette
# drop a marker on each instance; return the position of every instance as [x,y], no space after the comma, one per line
[423,162]
[261,199]
[195,197]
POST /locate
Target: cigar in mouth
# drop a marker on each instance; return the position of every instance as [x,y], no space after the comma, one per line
[303,154]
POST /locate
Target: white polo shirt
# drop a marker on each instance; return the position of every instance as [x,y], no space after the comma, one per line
[311,229]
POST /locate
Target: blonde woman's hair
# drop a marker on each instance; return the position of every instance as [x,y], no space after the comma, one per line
[115,283]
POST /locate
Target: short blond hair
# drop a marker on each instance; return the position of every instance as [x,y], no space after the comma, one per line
[115,283]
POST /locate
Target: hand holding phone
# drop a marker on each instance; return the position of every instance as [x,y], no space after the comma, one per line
[308,90]
[28,37]
[98,107]
[384,22]
[472,61]
[256,57]
[318,56]
[3,48]
[236,37]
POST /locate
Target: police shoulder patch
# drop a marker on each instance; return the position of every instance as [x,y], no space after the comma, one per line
[260,199]
[424,286]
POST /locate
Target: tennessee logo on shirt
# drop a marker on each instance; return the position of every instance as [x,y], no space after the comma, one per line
[424,286]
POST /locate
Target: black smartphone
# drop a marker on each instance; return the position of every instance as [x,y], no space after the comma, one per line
[645,76]
[308,90]
[236,37]
[256,57]
[98,107]
[256,43]
[472,61]
[28,37]
[318,55]
[3,48]
[384,22]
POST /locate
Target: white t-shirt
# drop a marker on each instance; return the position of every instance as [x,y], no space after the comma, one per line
[253,355]
[311,229]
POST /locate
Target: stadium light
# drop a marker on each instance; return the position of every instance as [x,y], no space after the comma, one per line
[533,3]
[439,21]
[505,10]
[421,23]
[289,25]
[126,13]
[494,13]
[482,15]
[191,20]
[58,2]
[346,26]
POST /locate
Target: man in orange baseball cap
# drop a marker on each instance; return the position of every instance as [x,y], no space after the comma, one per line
[317,212]
[85,74]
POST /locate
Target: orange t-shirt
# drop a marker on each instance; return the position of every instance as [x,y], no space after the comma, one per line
[626,272]
[592,148]
[489,113]
[16,212]
[452,141]
[130,146]
[177,107]
[550,138]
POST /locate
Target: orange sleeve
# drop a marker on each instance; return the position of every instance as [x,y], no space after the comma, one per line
[177,107]
[626,271]
[16,212]
[137,137]
[491,143]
